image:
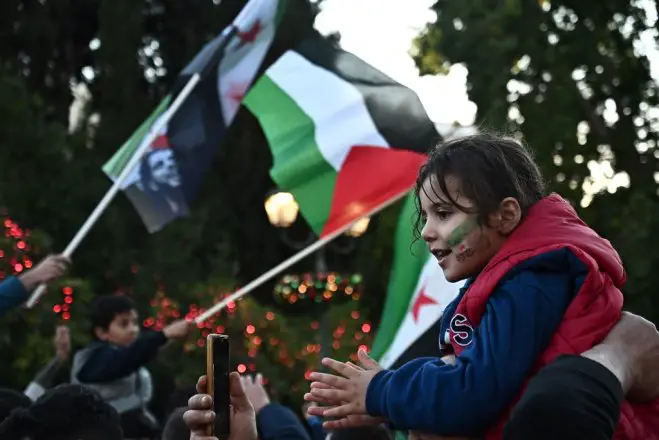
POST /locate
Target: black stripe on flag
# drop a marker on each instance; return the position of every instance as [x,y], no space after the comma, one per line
[197,129]
[395,109]
[426,345]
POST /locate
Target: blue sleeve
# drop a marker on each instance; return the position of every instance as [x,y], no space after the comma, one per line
[276,422]
[468,397]
[12,294]
[317,430]
[107,363]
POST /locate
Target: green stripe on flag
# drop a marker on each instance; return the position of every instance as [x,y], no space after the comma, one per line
[410,257]
[298,166]
[120,159]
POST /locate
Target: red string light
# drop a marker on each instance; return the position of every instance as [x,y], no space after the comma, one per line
[262,339]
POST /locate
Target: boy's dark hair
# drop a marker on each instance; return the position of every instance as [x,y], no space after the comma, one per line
[104,309]
[379,432]
[10,400]
[488,169]
[63,413]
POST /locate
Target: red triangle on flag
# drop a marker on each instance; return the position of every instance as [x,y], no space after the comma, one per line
[162,141]
[369,177]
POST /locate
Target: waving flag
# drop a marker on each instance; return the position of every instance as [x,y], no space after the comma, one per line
[172,170]
[344,137]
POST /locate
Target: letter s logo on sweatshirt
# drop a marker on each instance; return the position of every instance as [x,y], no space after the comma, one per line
[461,330]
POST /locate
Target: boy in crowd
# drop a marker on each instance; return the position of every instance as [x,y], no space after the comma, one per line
[113,364]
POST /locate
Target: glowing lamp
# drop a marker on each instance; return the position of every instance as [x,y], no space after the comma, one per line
[282,209]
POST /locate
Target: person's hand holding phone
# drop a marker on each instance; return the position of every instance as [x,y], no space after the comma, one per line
[200,412]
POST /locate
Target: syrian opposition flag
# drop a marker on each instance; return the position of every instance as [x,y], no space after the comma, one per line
[344,137]
[173,168]
[416,297]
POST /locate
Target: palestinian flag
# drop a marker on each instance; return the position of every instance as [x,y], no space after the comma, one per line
[172,170]
[416,297]
[345,138]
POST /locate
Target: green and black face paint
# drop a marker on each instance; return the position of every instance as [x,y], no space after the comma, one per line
[460,233]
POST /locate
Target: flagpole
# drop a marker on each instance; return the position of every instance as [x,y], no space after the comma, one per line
[161,123]
[291,261]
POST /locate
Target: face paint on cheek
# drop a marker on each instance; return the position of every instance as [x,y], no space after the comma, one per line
[459,235]
[462,256]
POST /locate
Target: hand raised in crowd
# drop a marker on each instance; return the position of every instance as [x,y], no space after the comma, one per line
[200,412]
[179,329]
[345,397]
[48,269]
[255,391]
[62,343]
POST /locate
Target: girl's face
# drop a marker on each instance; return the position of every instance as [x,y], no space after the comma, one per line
[462,246]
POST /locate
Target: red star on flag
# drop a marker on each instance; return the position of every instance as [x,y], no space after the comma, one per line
[422,300]
[250,35]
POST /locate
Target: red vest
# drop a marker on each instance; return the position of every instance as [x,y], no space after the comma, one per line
[550,225]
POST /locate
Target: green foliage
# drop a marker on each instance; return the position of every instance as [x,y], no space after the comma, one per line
[568,77]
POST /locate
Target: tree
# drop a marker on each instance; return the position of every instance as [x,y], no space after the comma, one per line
[570,78]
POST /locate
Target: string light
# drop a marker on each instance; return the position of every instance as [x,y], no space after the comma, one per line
[265,340]
[318,288]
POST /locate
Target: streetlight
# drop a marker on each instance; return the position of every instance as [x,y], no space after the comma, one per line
[282,211]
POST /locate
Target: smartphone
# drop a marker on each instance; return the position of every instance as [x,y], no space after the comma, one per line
[217,373]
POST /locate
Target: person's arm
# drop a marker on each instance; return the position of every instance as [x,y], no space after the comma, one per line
[276,422]
[571,398]
[466,398]
[14,290]
[631,353]
[107,363]
[44,379]
[47,375]
[12,294]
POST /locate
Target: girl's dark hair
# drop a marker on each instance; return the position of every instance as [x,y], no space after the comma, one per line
[488,169]
[63,413]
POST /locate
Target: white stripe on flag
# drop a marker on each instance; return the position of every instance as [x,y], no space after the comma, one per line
[241,61]
[437,288]
[336,106]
